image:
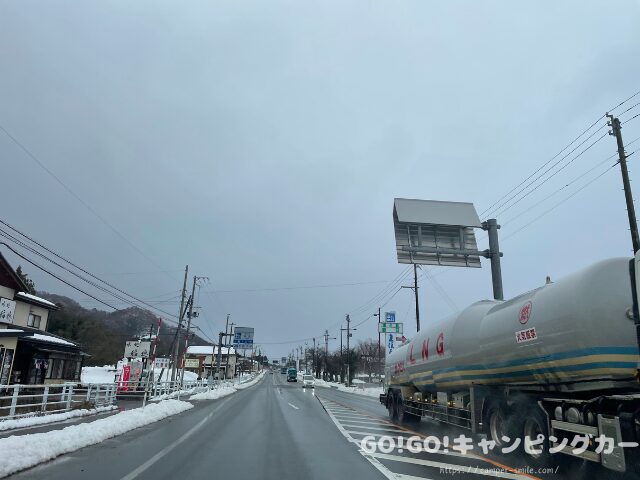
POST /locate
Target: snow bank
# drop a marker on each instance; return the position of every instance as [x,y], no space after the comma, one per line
[24,451]
[226,389]
[55,417]
[373,392]
[104,374]
[214,393]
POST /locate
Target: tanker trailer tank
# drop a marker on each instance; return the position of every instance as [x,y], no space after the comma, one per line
[563,344]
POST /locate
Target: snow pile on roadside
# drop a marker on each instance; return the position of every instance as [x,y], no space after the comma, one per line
[250,383]
[226,389]
[373,392]
[214,393]
[55,417]
[104,374]
[24,451]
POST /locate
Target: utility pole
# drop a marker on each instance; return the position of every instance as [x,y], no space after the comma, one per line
[379,346]
[348,352]
[341,356]
[176,339]
[313,360]
[229,347]
[189,316]
[415,292]
[616,131]
[220,337]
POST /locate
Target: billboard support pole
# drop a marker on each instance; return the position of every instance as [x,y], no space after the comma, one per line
[494,254]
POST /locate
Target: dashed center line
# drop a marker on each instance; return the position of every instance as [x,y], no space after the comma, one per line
[293,406]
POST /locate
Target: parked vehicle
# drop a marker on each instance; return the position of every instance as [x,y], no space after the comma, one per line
[308,381]
[560,360]
[292,375]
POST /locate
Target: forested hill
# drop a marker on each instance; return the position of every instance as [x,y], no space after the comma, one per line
[103,334]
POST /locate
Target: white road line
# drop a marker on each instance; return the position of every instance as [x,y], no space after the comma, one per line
[402,476]
[450,467]
[367,421]
[353,415]
[293,406]
[379,466]
[133,474]
[397,430]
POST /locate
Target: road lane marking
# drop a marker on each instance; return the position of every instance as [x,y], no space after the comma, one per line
[134,473]
[328,405]
[372,428]
[292,405]
[448,466]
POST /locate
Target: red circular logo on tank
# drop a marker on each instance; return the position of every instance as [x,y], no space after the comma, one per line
[525,313]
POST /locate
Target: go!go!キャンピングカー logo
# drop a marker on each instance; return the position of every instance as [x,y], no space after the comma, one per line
[525,313]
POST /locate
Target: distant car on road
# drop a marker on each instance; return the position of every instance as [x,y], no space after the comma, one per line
[283,370]
[308,381]
[292,375]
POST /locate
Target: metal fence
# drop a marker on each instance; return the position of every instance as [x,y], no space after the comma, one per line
[18,401]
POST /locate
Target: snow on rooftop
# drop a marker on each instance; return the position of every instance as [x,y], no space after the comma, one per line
[50,339]
[207,350]
[36,299]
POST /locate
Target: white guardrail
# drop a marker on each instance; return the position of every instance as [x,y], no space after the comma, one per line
[18,401]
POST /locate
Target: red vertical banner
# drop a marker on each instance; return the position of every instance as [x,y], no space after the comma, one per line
[123,386]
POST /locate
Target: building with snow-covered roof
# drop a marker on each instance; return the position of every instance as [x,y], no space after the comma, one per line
[203,360]
[28,353]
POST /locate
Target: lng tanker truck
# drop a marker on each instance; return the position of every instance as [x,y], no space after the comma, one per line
[558,361]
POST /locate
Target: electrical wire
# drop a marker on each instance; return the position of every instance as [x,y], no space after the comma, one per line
[55,276]
[491,207]
[559,203]
[15,240]
[555,164]
[39,244]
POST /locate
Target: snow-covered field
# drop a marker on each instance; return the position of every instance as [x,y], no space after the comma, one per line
[55,417]
[373,392]
[20,452]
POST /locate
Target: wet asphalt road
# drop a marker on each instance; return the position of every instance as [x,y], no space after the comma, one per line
[278,430]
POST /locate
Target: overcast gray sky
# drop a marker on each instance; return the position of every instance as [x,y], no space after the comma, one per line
[262,143]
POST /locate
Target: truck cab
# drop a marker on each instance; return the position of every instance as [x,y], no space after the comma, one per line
[292,375]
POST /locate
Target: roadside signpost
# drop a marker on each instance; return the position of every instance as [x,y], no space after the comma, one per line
[390,327]
[389,317]
[243,339]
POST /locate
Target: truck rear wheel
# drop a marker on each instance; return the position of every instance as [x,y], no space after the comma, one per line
[391,406]
[401,412]
[534,425]
[496,421]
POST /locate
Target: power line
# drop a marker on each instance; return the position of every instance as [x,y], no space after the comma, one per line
[77,197]
[491,207]
[555,164]
[559,203]
[301,287]
[498,212]
[78,268]
[55,276]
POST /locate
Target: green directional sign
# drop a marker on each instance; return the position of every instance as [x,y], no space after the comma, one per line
[390,327]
